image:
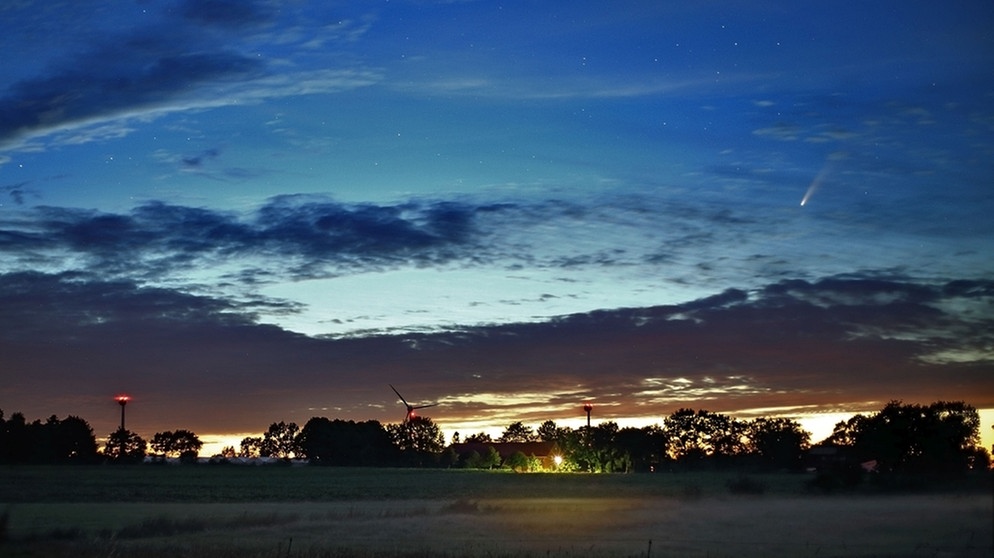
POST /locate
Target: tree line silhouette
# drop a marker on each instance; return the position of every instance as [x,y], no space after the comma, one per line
[940,438]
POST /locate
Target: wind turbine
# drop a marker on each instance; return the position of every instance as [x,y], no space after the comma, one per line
[410,408]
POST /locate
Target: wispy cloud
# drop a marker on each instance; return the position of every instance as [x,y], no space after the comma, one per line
[195,59]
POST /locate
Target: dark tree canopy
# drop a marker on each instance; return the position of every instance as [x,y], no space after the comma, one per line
[696,436]
[250,446]
[69,440]
[907,438]
[940,438]
[417,439]
[479,438]
[778,443]
[518,432]
[281,440]
[181,443]
[339,442]
[125,446]
[549,432]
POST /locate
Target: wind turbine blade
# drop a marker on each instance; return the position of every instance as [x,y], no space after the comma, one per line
[406,404]
[425,406]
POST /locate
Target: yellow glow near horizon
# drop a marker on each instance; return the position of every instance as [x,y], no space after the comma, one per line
[214,444]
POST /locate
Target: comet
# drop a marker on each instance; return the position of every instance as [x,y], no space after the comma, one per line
[815,184]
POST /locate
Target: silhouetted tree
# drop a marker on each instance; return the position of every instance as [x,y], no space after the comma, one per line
[280,440]
[161,442]
[696,436]
[939,438]
[17,440]
[518,432]
[479,438]
[55,441]
[250,446]
[181,443]
[846,432]
[339,442]
[419,440]
[646,446]
[549,432]
[124,446]
[778,443]
[73,441]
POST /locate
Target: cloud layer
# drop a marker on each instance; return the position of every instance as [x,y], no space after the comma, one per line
[825,345]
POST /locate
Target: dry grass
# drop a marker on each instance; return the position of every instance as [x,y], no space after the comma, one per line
[920,525]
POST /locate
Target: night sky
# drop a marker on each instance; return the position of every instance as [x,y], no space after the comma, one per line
[245,212]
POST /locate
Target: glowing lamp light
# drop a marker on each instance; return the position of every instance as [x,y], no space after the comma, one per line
[557,459]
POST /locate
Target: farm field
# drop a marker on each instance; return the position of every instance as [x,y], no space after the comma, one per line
[325,512]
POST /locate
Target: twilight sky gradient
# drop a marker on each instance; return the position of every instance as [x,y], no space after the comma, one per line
[243,212]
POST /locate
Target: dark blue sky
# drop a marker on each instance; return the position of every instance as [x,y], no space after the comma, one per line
[246,212]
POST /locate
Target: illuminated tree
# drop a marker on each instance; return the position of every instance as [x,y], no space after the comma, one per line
[517,462]
[607,455]
[491,460]
[476,461]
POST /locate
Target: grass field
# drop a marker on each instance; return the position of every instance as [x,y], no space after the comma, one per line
[329,512]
